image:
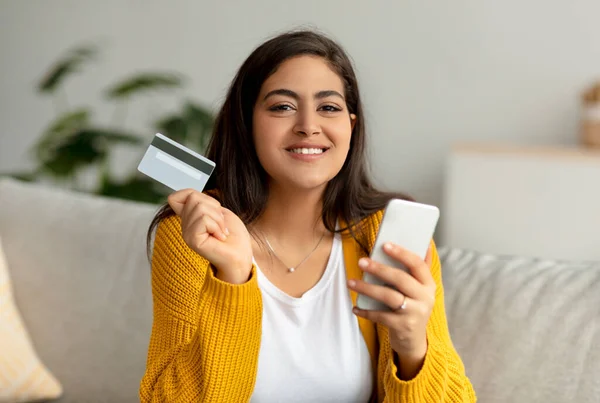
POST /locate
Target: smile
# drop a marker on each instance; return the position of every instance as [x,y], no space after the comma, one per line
[307,150]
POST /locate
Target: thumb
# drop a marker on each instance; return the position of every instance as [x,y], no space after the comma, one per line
[177,199]
[227,212]
[429,256]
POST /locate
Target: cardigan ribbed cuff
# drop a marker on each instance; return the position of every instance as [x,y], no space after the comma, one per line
[427,386]
[222,292]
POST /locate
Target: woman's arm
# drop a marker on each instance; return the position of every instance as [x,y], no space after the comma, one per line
[206,333]
[441,376]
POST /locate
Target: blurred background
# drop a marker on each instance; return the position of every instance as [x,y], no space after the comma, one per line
[488,109]
[432,74]
[85,85]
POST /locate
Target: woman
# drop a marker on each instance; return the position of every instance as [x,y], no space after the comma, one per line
[254,281]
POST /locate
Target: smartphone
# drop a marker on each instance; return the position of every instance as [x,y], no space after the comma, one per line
[405,223]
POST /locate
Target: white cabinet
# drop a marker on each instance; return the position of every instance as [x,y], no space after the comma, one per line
[540,202]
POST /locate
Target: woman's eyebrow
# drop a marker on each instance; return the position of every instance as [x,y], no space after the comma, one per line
[328,93]
[292,94]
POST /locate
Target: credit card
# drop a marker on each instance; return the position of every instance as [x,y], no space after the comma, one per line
[174,165]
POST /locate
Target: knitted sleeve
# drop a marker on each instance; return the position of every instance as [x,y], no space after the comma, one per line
[205,334]
[442,377]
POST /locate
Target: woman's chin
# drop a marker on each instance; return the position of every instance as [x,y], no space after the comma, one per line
[304,184]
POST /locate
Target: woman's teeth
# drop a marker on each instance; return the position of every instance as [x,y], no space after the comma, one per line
[307,150]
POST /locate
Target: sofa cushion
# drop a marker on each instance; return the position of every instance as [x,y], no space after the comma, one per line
[527,329]
[82,282]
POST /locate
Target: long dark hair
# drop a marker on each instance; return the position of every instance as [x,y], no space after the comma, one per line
[239,179]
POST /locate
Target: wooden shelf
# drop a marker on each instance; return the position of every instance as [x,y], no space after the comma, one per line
[551,151]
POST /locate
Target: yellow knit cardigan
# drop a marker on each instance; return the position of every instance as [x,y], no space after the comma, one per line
[206,333]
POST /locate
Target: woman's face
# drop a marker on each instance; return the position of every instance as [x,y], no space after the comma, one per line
[301,124]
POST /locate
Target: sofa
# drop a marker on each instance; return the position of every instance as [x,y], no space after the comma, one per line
[527,329]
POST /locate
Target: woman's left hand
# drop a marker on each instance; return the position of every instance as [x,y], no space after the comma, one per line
[410,297]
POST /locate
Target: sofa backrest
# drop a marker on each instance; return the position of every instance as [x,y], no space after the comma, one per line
[528,330]
[81,281]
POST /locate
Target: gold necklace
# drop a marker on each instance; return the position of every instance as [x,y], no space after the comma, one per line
[291,269]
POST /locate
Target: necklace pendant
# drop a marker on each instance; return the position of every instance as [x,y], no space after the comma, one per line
[291,269]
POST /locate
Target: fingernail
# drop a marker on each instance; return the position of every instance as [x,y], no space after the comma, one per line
[363,263]
[351,283]
[226,231]
[355,310]
[389,247]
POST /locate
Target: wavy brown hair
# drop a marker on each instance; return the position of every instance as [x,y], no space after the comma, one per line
[240,180]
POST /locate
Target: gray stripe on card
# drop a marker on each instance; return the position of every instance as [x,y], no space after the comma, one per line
[182,155]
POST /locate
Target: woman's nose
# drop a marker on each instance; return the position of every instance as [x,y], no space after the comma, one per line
[307,124]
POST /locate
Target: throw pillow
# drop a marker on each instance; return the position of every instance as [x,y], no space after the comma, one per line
[23,377]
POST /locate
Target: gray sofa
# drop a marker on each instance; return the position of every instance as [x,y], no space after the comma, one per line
[527,329]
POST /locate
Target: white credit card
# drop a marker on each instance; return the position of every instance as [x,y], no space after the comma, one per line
[174,165]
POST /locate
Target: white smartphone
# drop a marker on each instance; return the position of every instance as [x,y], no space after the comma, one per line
[405,223]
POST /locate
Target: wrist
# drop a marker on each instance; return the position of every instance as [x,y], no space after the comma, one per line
[233,276]
[409,364]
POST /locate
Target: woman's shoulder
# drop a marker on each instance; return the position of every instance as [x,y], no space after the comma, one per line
[363,230]
[376,216]
[369,225]
[168,231]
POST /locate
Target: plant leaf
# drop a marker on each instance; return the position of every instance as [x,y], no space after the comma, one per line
[200,122]
[137,188]
[192,127]
[70,121]
[63,126]
[144,82]
[109,136]
[77,151]
[22,176]
[198,115]
[67,65]
[84,147]
[174,127]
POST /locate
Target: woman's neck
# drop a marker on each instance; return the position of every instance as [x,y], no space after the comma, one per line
[293,216]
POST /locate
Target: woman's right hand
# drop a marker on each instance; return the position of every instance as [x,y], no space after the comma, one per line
[215,233]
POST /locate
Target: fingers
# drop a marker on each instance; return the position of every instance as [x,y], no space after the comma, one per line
[192,206]
[397,278]
[417,266]
[227,213]
[196,212]
[429,256]
[177,199]
[385,318]
[205,224]
[389,296]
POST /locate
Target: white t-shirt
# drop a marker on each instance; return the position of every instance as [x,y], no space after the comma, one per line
[312,349]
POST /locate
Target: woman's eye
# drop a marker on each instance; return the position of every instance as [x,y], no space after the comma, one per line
[330,108]
[281,108]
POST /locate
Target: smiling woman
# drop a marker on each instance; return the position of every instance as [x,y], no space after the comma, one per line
[302,127]
[255,280]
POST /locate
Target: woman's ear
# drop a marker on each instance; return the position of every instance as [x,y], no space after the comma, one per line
[353,120]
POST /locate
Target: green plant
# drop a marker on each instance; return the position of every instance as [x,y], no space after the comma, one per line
[73,143]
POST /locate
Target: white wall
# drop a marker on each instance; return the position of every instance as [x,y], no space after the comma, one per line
[537,202]
[432,72]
